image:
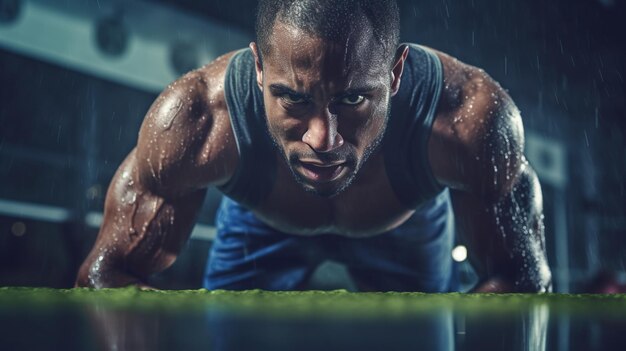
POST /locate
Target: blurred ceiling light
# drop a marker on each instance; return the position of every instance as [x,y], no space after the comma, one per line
[112,35]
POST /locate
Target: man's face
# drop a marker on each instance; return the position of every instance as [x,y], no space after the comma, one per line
[326,104]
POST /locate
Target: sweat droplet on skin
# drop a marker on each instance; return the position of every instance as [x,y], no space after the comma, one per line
[172,116]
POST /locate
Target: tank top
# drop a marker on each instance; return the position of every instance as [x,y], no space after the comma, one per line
[404,144]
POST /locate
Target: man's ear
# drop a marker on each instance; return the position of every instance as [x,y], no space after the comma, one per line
[257,65]
[398,67]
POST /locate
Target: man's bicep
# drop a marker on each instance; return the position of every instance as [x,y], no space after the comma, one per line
[477,141]
[152,200]
[159,188]
[185,142]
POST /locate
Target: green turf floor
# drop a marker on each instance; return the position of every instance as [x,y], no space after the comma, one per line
[311,302]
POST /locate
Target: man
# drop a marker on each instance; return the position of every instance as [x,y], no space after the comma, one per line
[330,141]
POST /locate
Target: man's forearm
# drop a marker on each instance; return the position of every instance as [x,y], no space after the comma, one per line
[506,237]
[519,221]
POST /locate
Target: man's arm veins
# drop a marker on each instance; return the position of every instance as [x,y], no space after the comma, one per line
[476,149]
[184,146]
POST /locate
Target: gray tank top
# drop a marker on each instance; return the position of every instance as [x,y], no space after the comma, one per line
[411,116]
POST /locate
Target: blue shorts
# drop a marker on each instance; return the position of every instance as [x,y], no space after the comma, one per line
[416,256]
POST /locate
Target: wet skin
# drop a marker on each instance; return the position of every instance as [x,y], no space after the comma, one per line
[326,104]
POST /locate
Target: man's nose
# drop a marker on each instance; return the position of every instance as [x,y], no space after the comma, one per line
[322,135]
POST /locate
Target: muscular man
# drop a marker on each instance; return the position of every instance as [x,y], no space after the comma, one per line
[330,141]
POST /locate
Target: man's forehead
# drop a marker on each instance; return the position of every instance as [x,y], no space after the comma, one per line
[299,53]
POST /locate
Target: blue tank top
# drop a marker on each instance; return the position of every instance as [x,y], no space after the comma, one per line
[405,140]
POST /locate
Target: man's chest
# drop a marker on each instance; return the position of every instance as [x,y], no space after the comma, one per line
[367,207]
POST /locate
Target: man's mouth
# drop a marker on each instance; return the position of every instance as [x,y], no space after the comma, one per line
[320,172]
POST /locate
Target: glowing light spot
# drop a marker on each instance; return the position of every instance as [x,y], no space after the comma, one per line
[459,253]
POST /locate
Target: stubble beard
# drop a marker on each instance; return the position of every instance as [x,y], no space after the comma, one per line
[350,160]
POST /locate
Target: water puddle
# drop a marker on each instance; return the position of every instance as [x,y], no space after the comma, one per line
[129,319]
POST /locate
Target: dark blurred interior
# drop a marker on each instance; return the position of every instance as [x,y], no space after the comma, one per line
[78,76]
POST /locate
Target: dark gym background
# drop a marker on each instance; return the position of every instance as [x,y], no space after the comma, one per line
[77,77]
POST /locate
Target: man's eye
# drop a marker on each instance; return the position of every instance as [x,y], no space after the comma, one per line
[292,99]
[352,99]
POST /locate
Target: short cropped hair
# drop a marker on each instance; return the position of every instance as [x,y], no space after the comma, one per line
[330,19]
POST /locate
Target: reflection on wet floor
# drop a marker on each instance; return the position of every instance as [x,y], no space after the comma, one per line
[198,320]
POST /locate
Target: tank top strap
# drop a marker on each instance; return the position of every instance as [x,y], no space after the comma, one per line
[256,170]
[408,128]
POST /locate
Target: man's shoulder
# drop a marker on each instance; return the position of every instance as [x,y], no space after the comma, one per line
[470,97]
[463,85]
[463,82]
[187,132]
[212,76]
[202,89]
[472,113]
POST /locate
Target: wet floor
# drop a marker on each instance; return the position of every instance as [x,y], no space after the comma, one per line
[199,320]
